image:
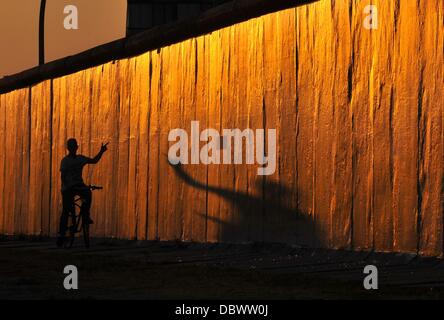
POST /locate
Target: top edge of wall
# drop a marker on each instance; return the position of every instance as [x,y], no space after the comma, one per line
[214,19]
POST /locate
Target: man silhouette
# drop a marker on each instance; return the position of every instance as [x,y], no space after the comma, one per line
[71,168]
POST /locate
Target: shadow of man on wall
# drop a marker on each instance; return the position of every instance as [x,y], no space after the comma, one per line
[270,210]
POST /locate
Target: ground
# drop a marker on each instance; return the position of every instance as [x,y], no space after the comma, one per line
[115,269]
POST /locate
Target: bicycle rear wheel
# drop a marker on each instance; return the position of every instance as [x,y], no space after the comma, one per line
[74,227]
[72,231]
[70,241]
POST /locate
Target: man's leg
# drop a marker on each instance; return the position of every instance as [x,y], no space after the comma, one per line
[86,195]
[67,199]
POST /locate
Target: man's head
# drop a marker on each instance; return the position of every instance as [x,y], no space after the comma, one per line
[72,145]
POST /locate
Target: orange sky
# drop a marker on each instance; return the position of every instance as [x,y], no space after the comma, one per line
[100,21]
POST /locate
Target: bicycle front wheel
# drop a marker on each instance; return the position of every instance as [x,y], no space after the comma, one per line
[72,232]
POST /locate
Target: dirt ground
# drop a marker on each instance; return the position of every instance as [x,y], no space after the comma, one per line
[112,269]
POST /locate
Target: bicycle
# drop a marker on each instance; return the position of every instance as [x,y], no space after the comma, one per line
[77,221]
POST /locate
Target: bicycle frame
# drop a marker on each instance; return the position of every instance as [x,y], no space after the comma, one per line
[77,220]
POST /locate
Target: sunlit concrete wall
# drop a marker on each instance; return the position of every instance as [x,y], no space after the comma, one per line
[358,115]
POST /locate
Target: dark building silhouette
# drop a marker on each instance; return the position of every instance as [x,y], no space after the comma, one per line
[145,14]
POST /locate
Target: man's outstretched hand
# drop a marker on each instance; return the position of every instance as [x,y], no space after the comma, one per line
[104,147]
[97,158]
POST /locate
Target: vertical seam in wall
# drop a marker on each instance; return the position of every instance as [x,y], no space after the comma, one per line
[313,146]
[29,160]
[264,211]
[371,104]
[420,142]
[183,115]
[115,226]
[3,163]
[4,167]
[391,124]
[159,103]
[264,124]
[391,162]
[370,221]
[90,108]
[149,106]
[178,210]
[194,103]
[207,123]
[234,216]
[296,102]
[280,103]
[350,102]
[51,103]
[128,64]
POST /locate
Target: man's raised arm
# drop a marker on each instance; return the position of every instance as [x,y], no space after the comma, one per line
[97,158]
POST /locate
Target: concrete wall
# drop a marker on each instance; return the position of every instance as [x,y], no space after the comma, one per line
[358,115]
